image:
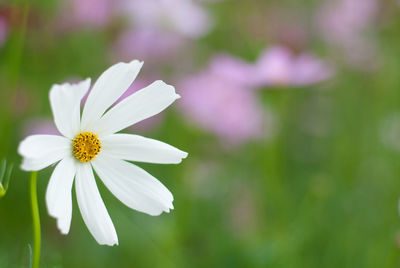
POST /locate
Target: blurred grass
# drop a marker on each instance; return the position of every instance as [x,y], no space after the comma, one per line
[310,200]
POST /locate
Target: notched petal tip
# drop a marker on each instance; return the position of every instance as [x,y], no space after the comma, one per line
[110,243]
[86,82]
[184,154]
[64,86]
[21,146]
[24,167]
[134,63]
[170,88]
[63,229]
[167,87]
[137,62]
[167,209]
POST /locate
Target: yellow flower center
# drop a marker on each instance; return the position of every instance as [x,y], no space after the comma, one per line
[86,146]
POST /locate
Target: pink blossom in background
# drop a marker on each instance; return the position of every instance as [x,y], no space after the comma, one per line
[222,107]
[3,31]
[274,67]
[343,20]
[40,126]
[278,66]
[89,13]
[146,44]
[157,29]
[221,99]
[345,23]
[234,69]
[277,24]
[308,70]
[182,17]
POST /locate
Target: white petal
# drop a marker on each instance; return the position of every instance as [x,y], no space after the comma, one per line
[142,104]
[107,89]
[141,149]
[58,194]
[40,151]
[65,103]
[92,208]
[133,186]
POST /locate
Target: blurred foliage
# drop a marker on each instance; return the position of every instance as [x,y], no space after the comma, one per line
[302,199]
[5,176]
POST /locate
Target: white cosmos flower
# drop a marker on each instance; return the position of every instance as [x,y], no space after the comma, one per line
[89,142]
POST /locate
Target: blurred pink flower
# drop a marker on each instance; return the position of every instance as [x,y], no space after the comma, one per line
[219,105]
[221,100]
[90,13]
[278,66]
[3,31]
[146,44]
[344,23]
[233,69]
[159,28]
[39,126]
[279,24]
[308,70]
[182,17]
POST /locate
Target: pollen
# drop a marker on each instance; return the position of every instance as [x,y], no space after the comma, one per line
[86,146]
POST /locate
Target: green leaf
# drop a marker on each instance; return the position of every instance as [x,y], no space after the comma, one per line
[3,167]
[8,176]
[5,176]
[30,256]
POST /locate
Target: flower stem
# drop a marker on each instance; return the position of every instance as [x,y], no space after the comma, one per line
[36,220]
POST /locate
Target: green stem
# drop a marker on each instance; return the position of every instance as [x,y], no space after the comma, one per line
[36,220]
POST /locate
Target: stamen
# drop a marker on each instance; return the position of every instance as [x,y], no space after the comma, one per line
[86,146]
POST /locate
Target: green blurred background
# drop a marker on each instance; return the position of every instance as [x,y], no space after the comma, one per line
[319,188]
